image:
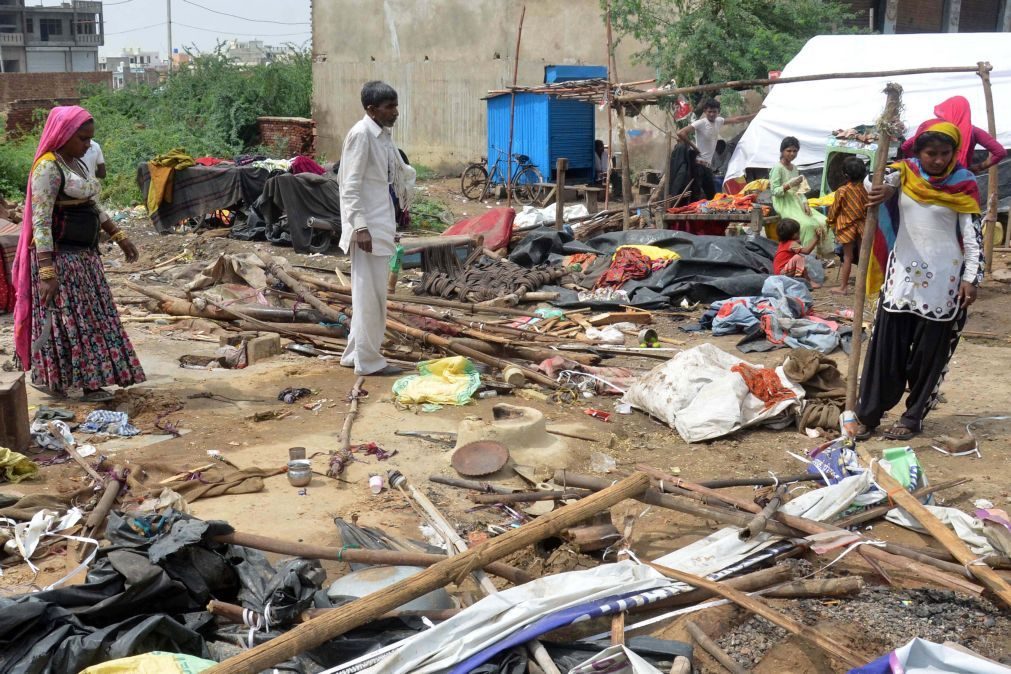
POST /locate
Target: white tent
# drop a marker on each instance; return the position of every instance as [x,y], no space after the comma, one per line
[812,110]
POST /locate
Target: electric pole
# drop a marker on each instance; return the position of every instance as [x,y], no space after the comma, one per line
[168,24]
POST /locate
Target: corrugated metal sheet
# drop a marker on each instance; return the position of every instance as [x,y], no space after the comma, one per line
[545,129]
[571,73]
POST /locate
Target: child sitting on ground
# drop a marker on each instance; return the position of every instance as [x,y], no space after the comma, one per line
[790,260]
[847,215]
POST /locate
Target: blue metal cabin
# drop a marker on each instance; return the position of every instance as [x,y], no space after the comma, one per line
[545,128]
[554,74]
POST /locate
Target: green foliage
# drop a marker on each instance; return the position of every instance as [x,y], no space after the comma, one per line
[209,107]
[430,214]
[425,172]
[701,41]
[15,163]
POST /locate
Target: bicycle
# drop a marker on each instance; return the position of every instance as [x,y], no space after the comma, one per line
[526,180]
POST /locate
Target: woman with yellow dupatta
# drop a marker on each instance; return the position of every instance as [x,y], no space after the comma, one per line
[927,262]
[66,327]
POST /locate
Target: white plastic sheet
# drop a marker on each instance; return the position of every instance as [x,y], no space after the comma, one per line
[696,393]
[531,217]
[497,616]
[615,660]
[810,111]
[967,527]
[920,656]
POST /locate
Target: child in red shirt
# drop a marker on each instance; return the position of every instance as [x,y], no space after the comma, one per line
[789,260]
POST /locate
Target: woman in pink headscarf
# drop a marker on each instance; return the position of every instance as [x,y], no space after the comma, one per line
[957,111]
[66,327]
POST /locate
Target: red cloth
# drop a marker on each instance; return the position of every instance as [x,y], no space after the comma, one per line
[628,265]
[496,225]
[957,111]
[303,164]
[764,384]
[784,253]
[209,161]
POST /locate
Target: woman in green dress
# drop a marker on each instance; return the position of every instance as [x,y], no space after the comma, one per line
[789,202]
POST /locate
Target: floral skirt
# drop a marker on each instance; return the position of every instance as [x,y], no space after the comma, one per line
[89,347]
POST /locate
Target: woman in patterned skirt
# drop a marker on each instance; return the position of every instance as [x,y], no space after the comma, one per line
[66,327]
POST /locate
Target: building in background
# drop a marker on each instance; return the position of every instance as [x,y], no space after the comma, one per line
[443,58]
[932,16]
[252,52]
[133,66]
[50,36]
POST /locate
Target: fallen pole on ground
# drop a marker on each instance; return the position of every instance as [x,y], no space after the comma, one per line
[360,556]
[233,613]
[758,524]
[319,630]
[753,604]
[713,649]
[527,496]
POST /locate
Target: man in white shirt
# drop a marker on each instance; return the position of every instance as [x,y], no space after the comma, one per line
[707,132]
[95,160]
[371,172]
[601,162]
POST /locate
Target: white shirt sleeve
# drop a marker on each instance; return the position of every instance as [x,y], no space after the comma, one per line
[354,160]
[99,157]
[972,246]
[698,123]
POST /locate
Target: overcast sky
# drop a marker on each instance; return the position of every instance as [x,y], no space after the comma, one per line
[142,23]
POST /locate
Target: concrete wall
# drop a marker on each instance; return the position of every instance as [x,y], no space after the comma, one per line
[443,56]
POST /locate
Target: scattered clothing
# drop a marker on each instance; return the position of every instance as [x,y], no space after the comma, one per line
[764,384]
[113,423]
[46,413]
[848,211]
[303,164]
[15,467]
[162,169]
[445,381]
[290,395]
[200,190]
[629,264]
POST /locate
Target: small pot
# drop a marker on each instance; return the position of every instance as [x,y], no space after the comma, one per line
[299,472]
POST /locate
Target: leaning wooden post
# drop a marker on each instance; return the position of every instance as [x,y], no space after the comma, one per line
[990,216]
[608,99]
[332,624]
[561,164]
[512,108]
[885,126]
[626,183]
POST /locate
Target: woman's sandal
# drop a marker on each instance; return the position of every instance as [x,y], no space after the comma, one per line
[99,395]
[900,432]
[864,433]
[58,395]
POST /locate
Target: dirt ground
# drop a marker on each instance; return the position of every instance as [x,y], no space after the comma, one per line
[977,386]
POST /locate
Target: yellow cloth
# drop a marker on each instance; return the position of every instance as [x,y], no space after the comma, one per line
[914,186]
[827,200]
[152,663]
[653,252]
[759,185]
[162,169]
[445,381]
[15,467]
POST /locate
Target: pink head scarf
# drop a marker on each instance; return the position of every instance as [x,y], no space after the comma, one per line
[61,124]
[957,111]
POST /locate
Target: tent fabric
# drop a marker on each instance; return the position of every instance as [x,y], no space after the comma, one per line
[810,111]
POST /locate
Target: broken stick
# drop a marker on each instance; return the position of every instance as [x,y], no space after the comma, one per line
[713,649]
[326,627]
[757,525]
[822,642]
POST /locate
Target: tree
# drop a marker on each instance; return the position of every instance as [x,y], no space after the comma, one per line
[703,41]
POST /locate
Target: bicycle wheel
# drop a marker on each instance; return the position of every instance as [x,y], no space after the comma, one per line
[527,185]
[474,181]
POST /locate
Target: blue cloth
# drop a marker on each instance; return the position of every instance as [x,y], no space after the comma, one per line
[114,423]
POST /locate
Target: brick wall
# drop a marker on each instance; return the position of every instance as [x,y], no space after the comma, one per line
[922,16]
[21,114]
[979,16]
[288,136]
[37,86]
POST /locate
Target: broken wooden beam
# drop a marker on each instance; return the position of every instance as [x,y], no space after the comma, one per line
[326,627]
[758,524]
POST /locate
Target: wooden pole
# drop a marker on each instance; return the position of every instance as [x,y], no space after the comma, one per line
[990,217]
[626,182]
[937,529]
[561,165]
[666,163]
[749,84]
[610,112]
[757,525]
[808,634]
[713,649]
[345,436]
[894,94]
[360,556]
[512,108]
[330,625]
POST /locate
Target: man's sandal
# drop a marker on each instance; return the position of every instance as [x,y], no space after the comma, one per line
[900,432]
[864,432]
[99,395]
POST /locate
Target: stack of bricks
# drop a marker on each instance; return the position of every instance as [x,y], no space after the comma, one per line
[288,136]
[24,115]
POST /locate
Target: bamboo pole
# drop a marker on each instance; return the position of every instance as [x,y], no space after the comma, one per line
[610,112]
[894,94]
[713,649]
[751,603]
[561,165]
[320,630]
[650,96]
[881,511]
[512,108]
[990,218]
[937,529]
[345,436]
[757,525]
[612,76]
[360,556]
[807,526]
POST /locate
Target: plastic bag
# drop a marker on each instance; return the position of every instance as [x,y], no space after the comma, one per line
[152,663]
[615,660]
[446,381]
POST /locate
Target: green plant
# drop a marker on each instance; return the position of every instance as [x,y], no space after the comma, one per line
[701,41]
[430,214]
[424,172]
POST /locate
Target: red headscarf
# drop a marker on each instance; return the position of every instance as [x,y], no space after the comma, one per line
[955,110]
[61,124]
